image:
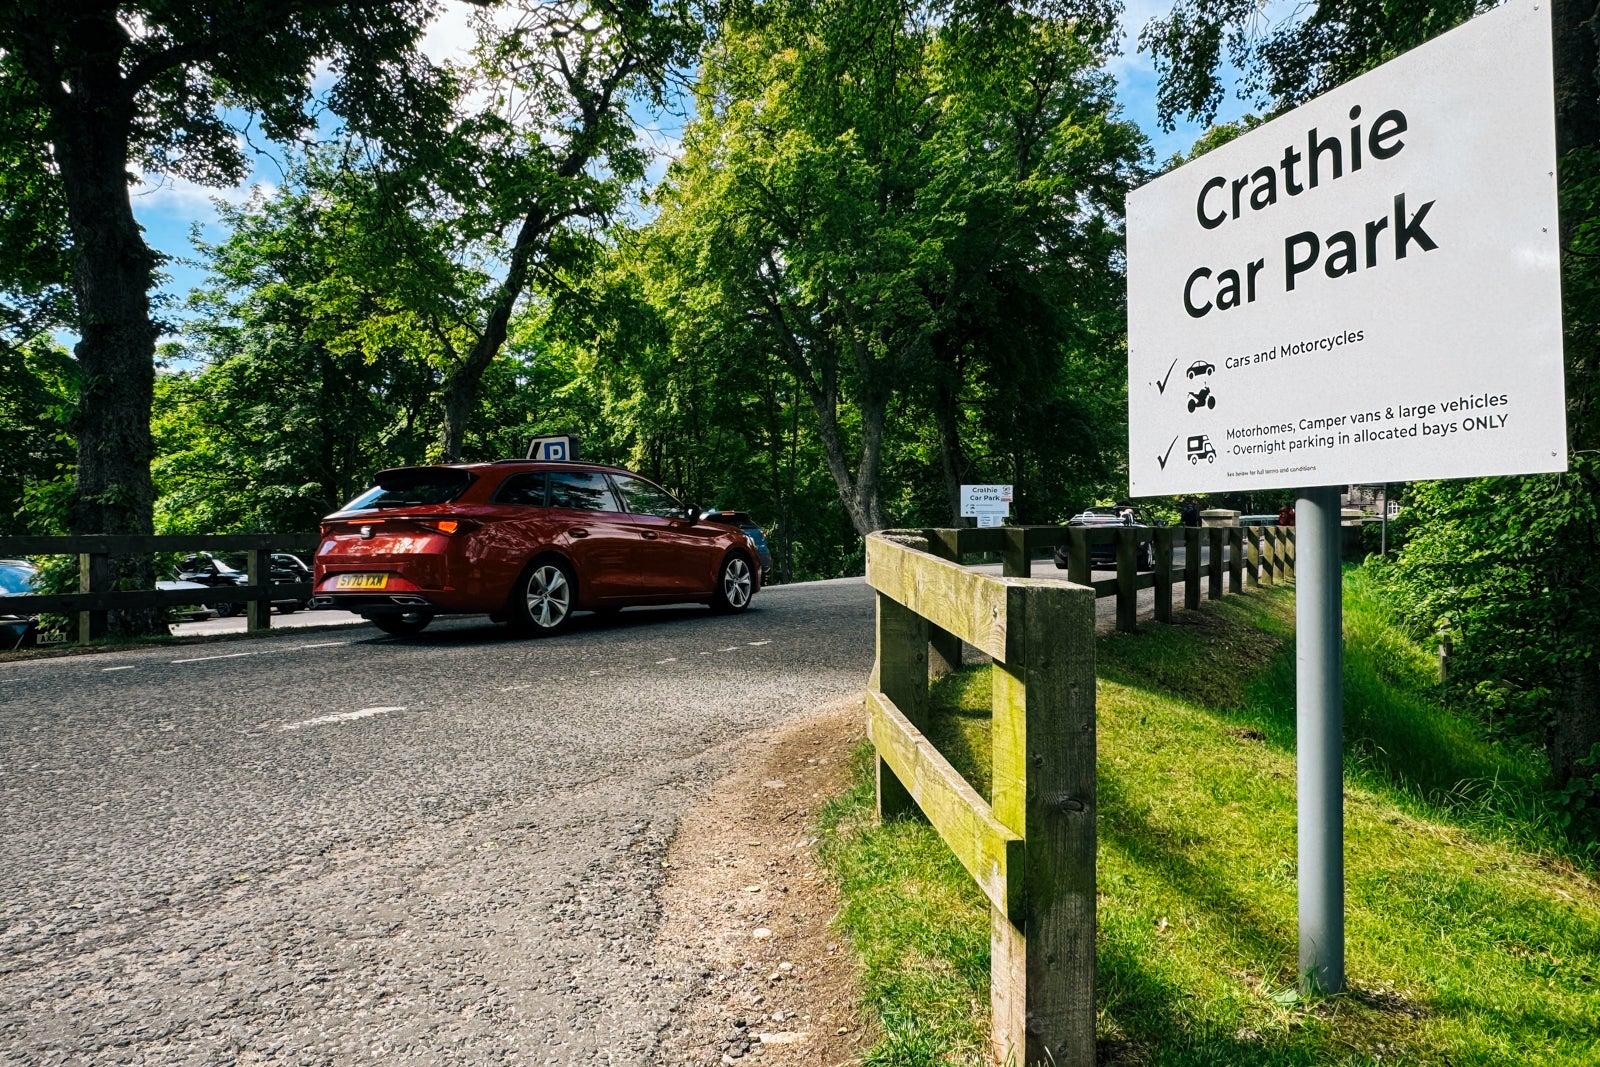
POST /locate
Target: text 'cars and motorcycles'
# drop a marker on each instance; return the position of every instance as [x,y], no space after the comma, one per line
[526,542]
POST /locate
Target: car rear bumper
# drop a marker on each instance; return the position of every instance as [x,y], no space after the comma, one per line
[378,603]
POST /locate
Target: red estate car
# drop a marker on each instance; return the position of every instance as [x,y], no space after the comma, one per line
[526,542]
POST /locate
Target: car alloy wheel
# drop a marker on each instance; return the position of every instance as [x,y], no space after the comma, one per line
[547,597]
[735,585]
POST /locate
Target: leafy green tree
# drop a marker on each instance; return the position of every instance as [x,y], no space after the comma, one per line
[867,181]
[107,85]
[539,157]
[306,386]
[35,295]
[37,386]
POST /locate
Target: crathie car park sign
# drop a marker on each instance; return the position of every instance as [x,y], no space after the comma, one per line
[1365,289]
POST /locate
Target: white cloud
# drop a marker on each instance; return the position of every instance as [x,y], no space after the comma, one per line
[450,36]
[171,195]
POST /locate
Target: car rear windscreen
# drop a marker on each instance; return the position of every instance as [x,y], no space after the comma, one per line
[412,486]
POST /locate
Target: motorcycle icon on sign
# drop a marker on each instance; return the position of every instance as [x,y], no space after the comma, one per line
[1201,448]
[1202,399]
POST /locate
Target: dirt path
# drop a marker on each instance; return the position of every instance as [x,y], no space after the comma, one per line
[747,908]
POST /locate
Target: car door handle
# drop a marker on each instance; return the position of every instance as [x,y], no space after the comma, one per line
[578,531]
[648,535]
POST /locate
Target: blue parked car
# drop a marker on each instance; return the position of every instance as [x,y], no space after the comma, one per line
[744,522]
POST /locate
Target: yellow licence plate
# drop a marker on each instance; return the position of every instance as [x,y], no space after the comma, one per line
[360,581]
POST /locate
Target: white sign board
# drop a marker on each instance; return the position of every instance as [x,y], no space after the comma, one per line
[985,500]
[987,519]
[1365,289]
[561,448]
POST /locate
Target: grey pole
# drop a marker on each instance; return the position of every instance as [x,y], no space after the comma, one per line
[1319,745]
[1383,549]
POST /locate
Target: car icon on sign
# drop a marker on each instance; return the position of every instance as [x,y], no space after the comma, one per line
[1199,367]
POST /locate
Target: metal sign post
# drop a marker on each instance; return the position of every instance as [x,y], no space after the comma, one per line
[1319,742]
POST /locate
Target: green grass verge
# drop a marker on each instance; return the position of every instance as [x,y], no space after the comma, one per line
[1473,930]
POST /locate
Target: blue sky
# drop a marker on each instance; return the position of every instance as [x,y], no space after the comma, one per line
[170,209]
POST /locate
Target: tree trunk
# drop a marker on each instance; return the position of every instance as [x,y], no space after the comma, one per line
[1576,30]
[952,461]
[116,354]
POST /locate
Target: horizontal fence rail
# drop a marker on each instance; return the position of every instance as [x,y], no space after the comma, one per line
[1031,849]
[95,596]
[1237,556]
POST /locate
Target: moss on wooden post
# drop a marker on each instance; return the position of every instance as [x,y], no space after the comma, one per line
[1042,990]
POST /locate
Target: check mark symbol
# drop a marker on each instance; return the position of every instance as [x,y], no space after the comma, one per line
[1162,384]
[1163,459]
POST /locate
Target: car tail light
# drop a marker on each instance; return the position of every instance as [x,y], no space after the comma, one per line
[451,526]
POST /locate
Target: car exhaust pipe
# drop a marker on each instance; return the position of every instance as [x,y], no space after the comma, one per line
[410,601]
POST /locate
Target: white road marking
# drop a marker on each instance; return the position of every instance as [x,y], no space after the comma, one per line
[127,668]
[324,644]
[730,648]
[757,644]
[514,688]
[203,659]
[343,716]
[593,673]
[669,659]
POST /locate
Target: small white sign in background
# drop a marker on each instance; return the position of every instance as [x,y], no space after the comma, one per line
[985,500]
[1365,289]
[988,519]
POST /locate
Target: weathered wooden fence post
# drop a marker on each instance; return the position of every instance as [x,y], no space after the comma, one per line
[1214,563]
[1127,577]
[1252,563]
[1163,556]
[902,676]
[1044,790]
[94,576]
[1015,559]
[1235,559]
[1191,567]
[945,646]
[258,571]
[1078,557]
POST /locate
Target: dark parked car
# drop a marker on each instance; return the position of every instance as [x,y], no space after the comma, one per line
[205,569]
[202,568]
[743,521]
[290,569]
[526,542]
[1105,555]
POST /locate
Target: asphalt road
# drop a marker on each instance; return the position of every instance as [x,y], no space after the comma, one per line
[341,847]
[338,847]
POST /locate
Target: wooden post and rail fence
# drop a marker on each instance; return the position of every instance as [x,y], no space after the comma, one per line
[1031,848]
[95,596]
